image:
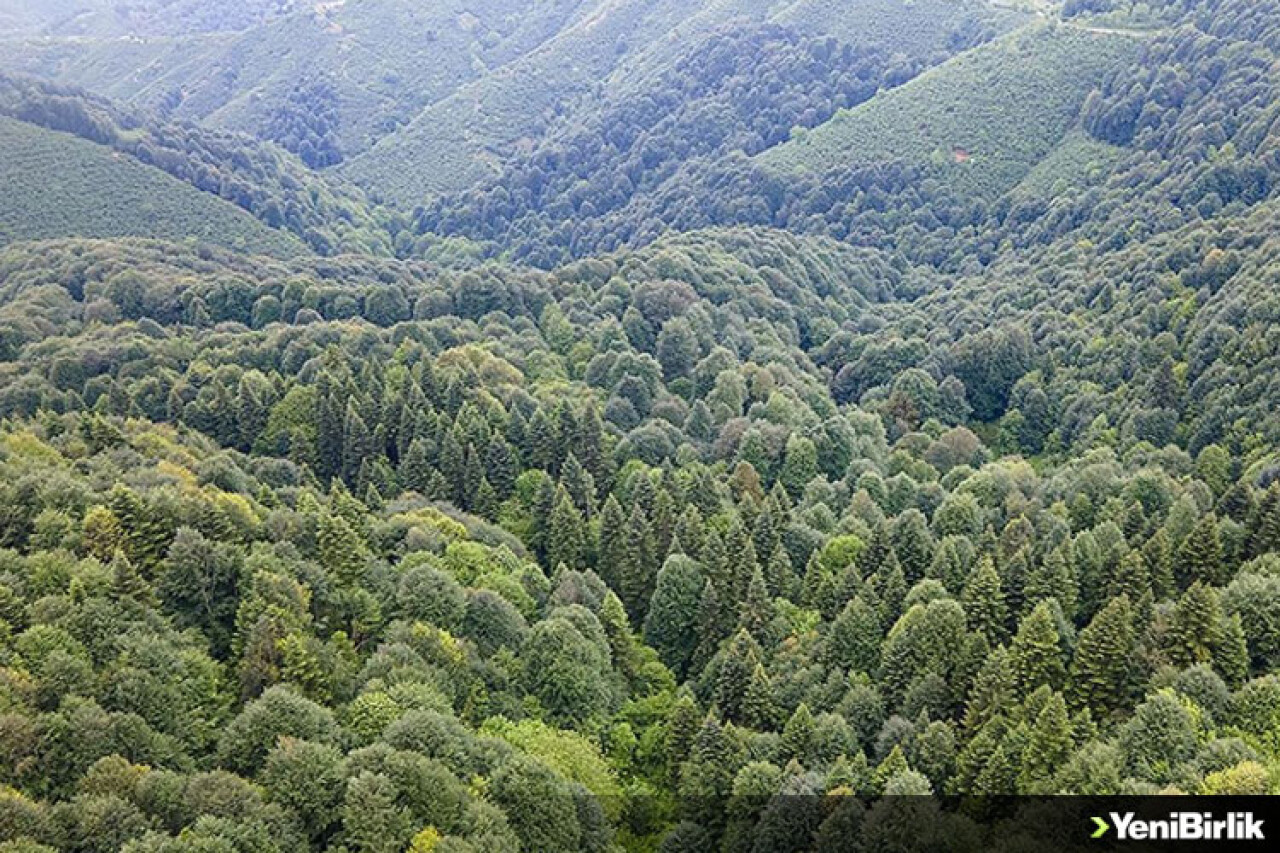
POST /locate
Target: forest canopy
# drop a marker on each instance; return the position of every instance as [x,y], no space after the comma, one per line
[759,435]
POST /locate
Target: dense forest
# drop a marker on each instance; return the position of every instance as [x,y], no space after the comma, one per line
[816,411]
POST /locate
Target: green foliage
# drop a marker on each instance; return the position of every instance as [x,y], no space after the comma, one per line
[953,477]
[61,186]
[983,120]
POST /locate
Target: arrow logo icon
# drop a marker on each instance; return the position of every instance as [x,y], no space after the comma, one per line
[1102,825]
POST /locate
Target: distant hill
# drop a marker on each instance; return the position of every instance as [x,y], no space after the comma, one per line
[465,139]
[136,17]
[915,27]
[58,185]
[457,88]
[276,187]
[982,120]
[372,64]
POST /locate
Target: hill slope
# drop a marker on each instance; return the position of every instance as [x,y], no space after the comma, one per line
[367,66]
[982,120]
[135,17]
[58,185]
[465,139]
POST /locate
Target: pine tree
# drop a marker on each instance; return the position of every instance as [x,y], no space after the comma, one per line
[101,533]
[486,501]
[1101,673]
[690,531]
[611,552]
[707,776]
[453,465]
[715,560]
[1035,656]
[1135,522]
[1013,581]
[894,764]
[1049,745]
[1159,559]
[1231,652]
[1194,626]
[797,735]
[992,693]
[357,442]
[501,468]
[1264,523]
[913,545]
[1200,557]
[588,443]
[853,640]
[340,550]
[755,613]
[877,552]
[638,570]
[983,601]
[683,722]
[780,577]
[1237,503]
[566,539]
[580,485]
[415,470]
[734,676]
[544,505]
[767,533]
[815,574]
[949,564]
[741,559]
[663,525]
[541,443]
[714,626]
[759,710]
[472,474]
[889,583]
[127,583]
[1131,577]
[1053,578]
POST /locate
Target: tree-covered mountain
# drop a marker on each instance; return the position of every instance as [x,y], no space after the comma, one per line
[798,405]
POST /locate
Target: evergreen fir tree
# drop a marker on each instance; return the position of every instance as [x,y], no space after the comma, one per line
[415,470]
[759,710]
[1200,557]
[566,539]
[853,641]
[683,722]
[127,583]
[1231,652]
[341,552]
[1035,655]
[755,613]
[580,485]
[912,545]
[1194,626]
[1053,578]
[638,569]
[780,577]
[734,676]
[797,735]
[1049,745]
[611,552]
[1101,673]
[1159,559]
[983,601]
[357,442]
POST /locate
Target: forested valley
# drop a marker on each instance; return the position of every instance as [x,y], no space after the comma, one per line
[632,426]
